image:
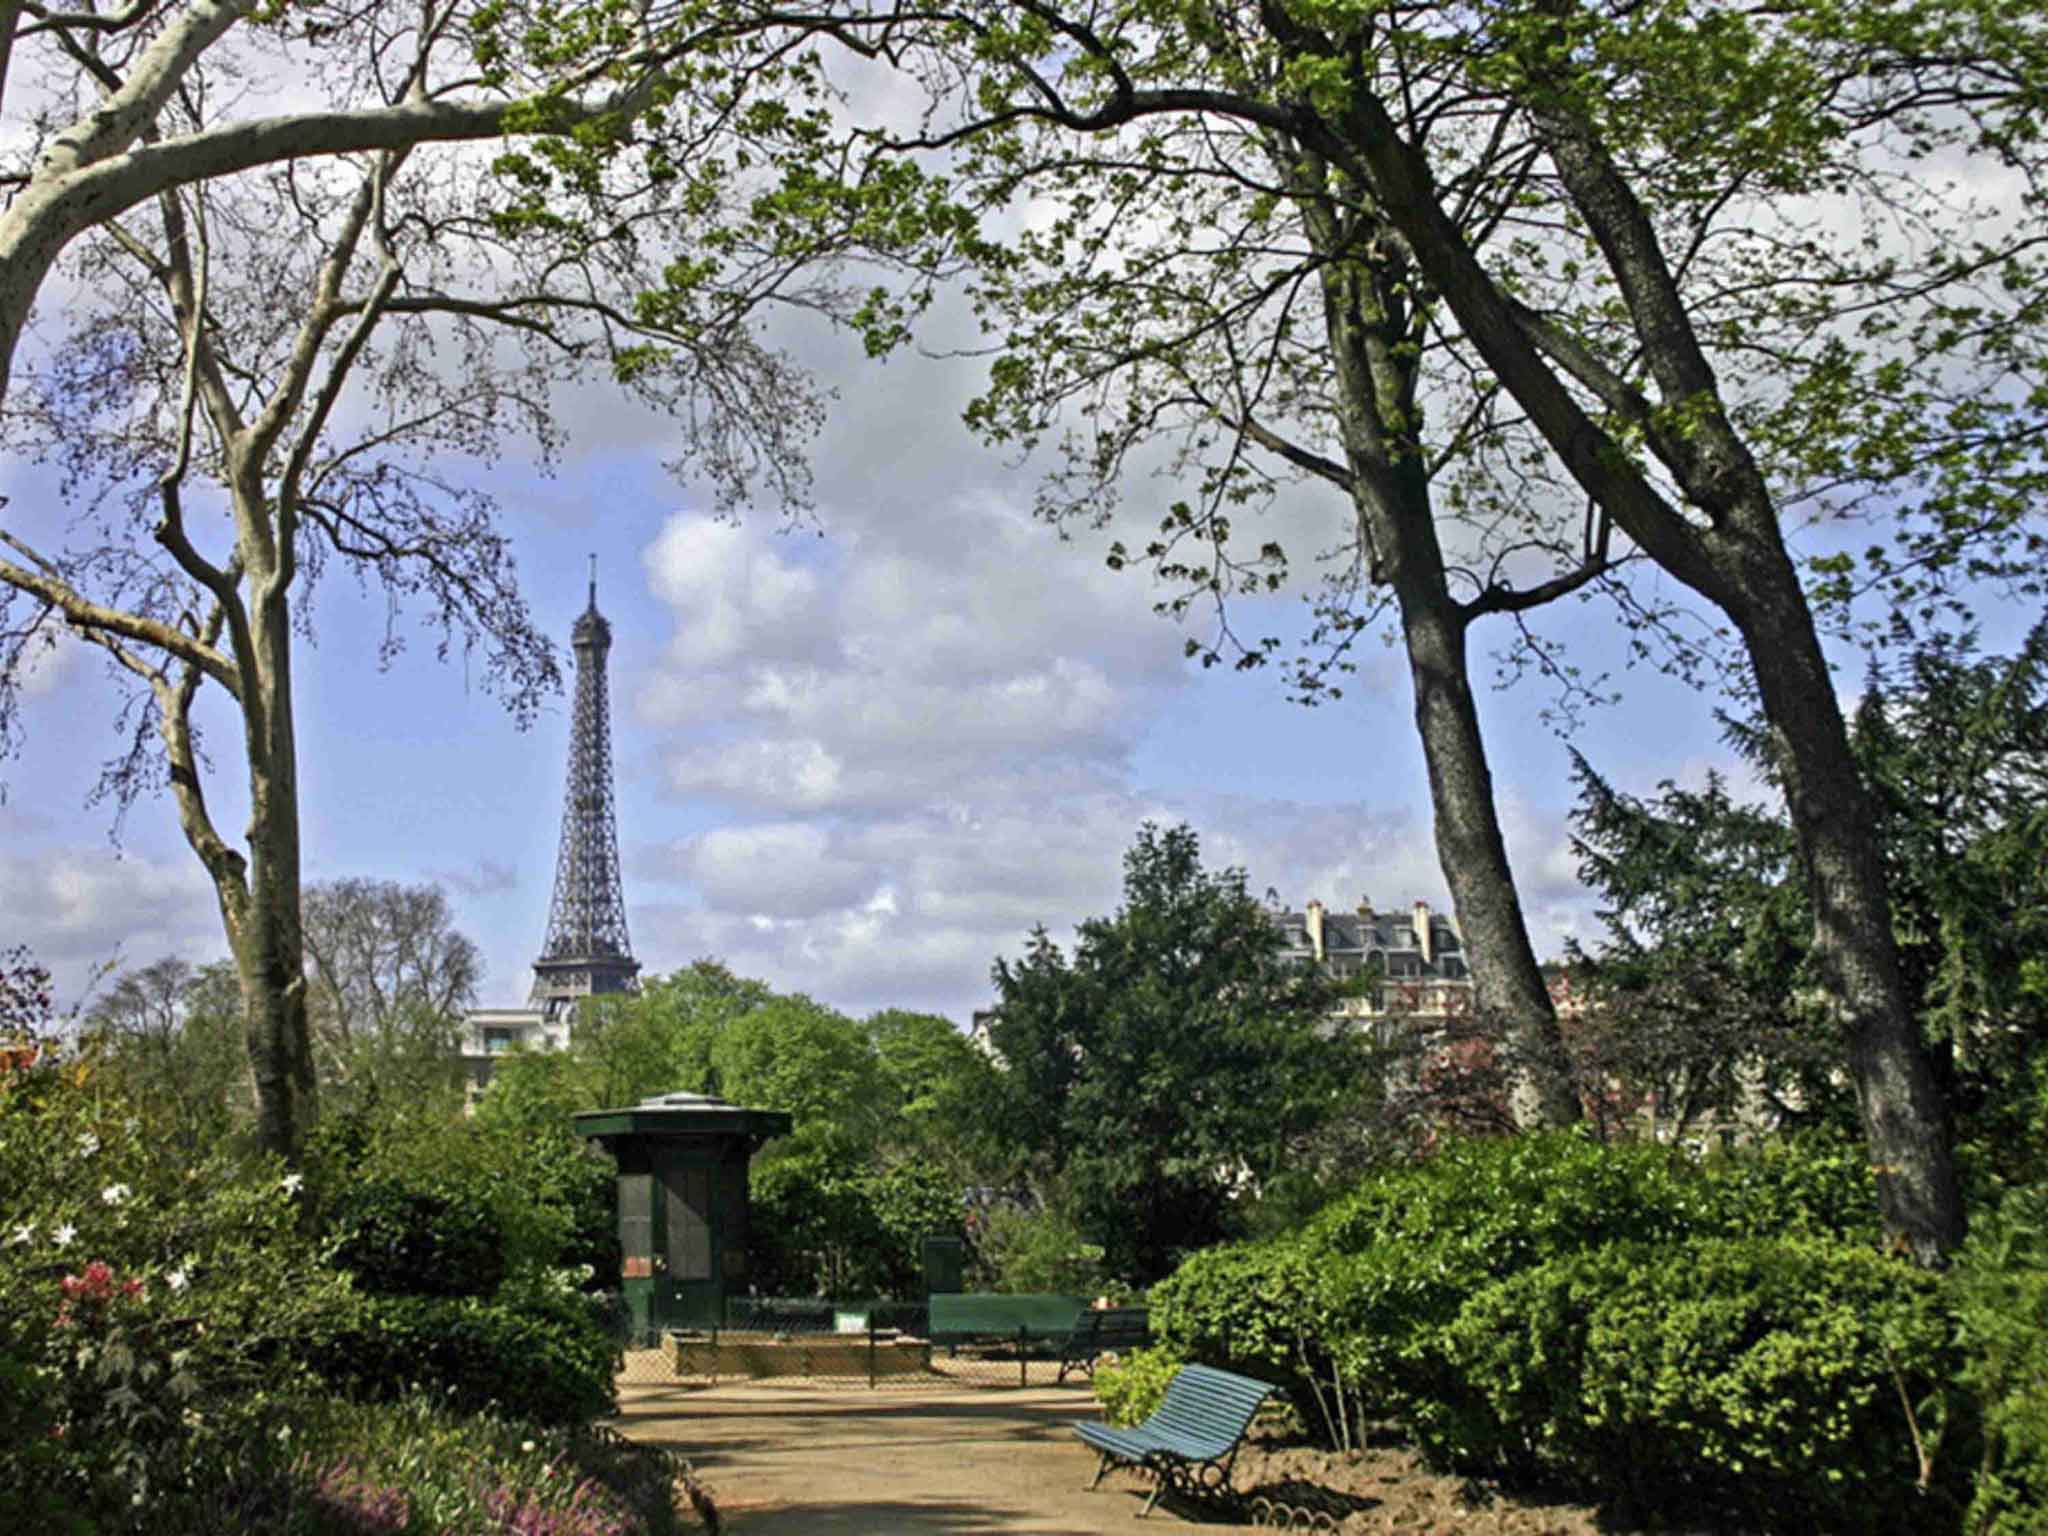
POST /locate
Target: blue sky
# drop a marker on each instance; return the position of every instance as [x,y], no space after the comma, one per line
[859,757]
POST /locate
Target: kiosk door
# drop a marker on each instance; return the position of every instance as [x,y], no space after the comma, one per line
[694,1296]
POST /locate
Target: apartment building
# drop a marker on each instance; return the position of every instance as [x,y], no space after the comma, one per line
[1417,955]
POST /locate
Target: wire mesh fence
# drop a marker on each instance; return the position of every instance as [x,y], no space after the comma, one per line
[867,1345]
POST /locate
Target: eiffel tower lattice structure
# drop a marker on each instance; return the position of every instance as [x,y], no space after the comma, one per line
[587,951]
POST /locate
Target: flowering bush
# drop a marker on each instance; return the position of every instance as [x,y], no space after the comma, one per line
[415,1465]
[148,1307]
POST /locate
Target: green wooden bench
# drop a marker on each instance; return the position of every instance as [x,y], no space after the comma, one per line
[1192,1437]
[1103,1331]
[958,1319]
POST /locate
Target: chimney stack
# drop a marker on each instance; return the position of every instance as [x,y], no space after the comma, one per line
[1423,937]
[1314,915]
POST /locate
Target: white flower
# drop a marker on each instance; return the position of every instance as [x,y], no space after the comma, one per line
[284,1432]
[177,1280]
[291,1183]
[526,1445]
[22,1234]
[88,1144]
[114,1194]
[63,1235]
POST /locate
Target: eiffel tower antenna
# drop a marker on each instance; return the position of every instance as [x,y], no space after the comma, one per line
[587,951]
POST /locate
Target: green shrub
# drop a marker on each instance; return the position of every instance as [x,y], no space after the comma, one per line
[1817,1185]
[1245,1306]
[2000,1294]
[399,1239]
[546,1196]
[1752,1374]
[1131,1388]
[1349,1313]
[543,1355]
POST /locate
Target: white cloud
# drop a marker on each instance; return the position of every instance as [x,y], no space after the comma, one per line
[900,665]
[919,735]
[738,595]
[78,909]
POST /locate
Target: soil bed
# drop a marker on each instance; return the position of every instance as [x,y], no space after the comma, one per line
[1385,1487]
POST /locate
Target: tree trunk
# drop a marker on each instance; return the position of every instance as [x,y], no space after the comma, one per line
[1376,375]
[271,955]
[1506,978]
[1905,1120]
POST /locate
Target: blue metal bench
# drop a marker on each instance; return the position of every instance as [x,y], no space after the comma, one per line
[1192,1437]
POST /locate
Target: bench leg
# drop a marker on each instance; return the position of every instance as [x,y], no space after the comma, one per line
[1101,1467]
[1162,1477]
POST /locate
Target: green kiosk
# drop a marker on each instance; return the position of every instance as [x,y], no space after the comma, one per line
[682,1203]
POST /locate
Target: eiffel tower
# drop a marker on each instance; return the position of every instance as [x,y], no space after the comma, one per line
[586,951]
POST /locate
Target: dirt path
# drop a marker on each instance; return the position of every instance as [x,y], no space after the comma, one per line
[791,1460]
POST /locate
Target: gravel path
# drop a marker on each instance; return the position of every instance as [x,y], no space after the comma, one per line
[788,1459]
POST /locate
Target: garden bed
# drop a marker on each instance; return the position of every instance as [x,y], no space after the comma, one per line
[755,1356]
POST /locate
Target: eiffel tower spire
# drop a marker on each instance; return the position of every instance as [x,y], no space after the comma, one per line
[586,950]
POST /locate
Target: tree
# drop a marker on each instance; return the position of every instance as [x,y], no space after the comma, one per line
[796,1055]
[1693,344]
[25,1003]
[1174,1057]
[286,328]
[168,1034]
[1956,749]
[873,1161]
[705,1030]
[386,963]
[1699,1001]
[940,1088]
[146,1004]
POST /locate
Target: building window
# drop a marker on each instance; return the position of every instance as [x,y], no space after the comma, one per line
[1404,967]
[499,1041]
